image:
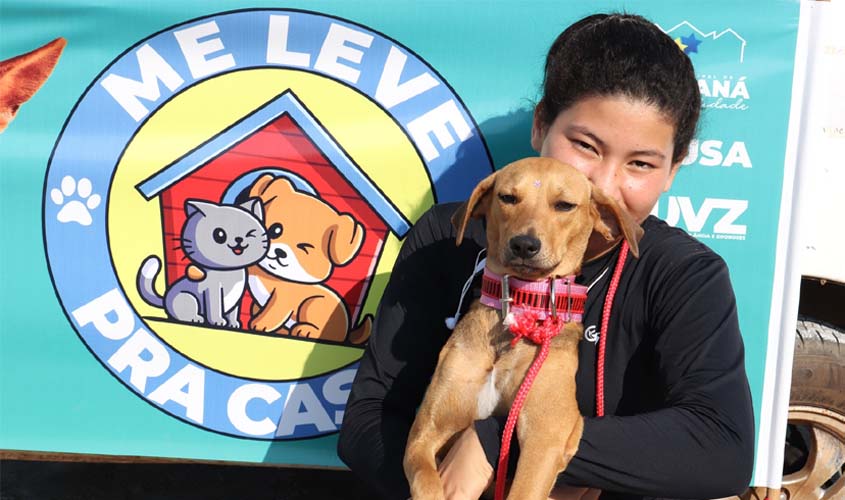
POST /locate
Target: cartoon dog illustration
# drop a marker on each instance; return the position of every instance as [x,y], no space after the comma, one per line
[308,238]
[22,76]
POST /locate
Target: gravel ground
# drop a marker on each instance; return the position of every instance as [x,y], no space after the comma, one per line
[34,480]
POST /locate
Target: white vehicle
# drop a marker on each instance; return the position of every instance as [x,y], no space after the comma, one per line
[814,453]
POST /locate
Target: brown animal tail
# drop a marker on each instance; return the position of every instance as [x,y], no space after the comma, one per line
[360,334]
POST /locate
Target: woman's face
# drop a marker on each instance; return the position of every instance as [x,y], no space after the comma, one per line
[623,145]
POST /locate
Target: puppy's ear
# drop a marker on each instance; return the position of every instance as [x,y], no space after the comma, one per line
[477,206]
[344,239]
[260,185]
[22,76]
[269,187]
[612,222]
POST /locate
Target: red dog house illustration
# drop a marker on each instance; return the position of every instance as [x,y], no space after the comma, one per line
[283,138]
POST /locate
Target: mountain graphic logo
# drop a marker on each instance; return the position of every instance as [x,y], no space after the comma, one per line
[694,41]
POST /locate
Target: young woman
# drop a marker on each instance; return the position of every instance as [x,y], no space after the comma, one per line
[620,103]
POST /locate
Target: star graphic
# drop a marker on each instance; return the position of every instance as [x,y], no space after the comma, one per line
[681,45]
[691,43]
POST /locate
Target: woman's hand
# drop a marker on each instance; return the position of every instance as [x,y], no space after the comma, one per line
[465,472]
[563,492]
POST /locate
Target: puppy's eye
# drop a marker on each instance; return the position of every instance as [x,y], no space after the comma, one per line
[305,247]
[219,235]
[507,199]
[275,230]
[563,206]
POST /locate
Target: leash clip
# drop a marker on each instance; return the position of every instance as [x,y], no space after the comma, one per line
[506,299]
[553,299]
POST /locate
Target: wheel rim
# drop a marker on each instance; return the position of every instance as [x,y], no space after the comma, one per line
[821,476]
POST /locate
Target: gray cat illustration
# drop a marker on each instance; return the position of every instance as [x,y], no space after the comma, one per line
[221,241]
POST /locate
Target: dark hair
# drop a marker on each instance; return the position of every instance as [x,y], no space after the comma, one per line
[622,54]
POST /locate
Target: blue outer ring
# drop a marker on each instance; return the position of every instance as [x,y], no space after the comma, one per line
[95,136]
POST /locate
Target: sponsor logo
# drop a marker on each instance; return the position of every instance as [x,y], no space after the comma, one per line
[716,153]
[712,218]
[690,38]
[724,92]
[226,200]
[715,47]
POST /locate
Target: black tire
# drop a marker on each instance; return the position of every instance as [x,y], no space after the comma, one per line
[814,454]
[818,370]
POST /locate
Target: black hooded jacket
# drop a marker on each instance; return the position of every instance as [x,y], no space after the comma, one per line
[679,418]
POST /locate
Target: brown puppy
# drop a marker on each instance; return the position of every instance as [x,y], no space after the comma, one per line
[22,76]
[308,238]
[478,374]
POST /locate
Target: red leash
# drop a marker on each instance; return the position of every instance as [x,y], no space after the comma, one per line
[526,326]
[605,324]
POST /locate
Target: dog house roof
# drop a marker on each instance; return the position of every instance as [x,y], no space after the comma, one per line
[286,102]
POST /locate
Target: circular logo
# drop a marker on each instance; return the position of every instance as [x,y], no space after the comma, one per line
[226,201]
[591,334]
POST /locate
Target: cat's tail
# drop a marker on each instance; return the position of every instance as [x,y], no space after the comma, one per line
[146,278]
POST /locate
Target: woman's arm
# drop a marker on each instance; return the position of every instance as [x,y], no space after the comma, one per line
[700,444]
[402,352]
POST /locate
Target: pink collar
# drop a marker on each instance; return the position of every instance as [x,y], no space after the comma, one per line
[516,295]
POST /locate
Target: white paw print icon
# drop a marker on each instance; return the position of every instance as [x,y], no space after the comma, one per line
[75,210]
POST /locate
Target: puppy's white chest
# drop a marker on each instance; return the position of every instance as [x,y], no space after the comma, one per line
[488,397]
[258,290]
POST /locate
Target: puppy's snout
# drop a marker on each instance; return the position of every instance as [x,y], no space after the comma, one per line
[524,246]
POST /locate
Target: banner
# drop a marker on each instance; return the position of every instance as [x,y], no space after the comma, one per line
[129,329]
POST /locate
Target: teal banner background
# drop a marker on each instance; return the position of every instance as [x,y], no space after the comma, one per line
[56,396]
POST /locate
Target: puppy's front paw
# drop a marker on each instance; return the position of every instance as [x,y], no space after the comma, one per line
[305,331]
[194,273]
[260,326]
[427,487]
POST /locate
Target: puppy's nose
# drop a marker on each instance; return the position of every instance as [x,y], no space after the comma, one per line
[281,254]
[524,246]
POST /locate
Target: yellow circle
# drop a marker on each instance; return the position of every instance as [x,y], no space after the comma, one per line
[369,135]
